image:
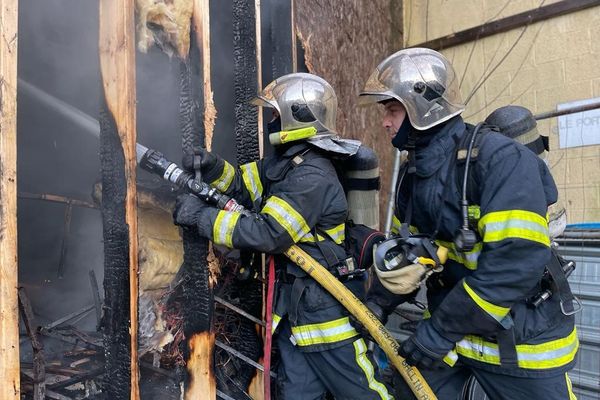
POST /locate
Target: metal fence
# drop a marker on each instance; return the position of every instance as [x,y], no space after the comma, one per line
[585,284]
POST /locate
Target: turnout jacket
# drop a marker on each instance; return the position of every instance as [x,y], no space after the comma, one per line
[482,294]
[297,198]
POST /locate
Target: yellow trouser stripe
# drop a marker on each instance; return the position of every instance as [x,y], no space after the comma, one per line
[276,321]
[287,217]
[325,332]
[360,349]
[251,179]
[570,388]
[224,226]
[520,224]
[497,312]
[553,354]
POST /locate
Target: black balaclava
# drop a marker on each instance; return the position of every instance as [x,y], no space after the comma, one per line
[401,137]
[274,125]
[422,137]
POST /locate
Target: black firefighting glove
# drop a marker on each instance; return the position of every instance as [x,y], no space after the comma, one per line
[188,210]
[208,161]
[426,347]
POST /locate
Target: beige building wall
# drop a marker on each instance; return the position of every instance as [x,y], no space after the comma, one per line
[538,66]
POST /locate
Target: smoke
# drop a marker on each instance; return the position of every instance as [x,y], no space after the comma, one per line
[58,53]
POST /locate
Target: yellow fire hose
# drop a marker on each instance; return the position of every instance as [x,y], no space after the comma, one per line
[384,339]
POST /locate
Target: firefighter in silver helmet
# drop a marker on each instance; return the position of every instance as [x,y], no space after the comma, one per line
[480,320]
[296,198]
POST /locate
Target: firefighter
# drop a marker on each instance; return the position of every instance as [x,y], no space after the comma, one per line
[297,199]
[480,321]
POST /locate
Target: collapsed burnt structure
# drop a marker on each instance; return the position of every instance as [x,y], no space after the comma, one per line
[116,302]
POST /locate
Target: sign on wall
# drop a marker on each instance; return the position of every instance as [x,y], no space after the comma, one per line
[579,129]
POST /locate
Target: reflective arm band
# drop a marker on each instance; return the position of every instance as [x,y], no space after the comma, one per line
[223,182]
[466,258]
[251,179]
[287,217]
[496,312]
[337,233]
[517,224]
[224,226]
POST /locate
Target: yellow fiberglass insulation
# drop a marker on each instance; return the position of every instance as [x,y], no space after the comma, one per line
[165,23]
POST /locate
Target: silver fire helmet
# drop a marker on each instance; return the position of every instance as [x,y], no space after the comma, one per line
[307,106]
[302,100]
[423,80]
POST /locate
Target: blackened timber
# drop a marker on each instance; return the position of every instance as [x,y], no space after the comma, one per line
[245,79]
[509,23]
[246,84]
[282,47]
[9,309]
[119,196]
[115,321]
[65,240]
[39,371]
[196,291]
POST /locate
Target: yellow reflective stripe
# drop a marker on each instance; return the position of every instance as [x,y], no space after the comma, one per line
[467,258]
[297,134]
[337,233]
[396,225]
[360,350]
[451,358]
[287,217]
[570,388]
[323,333]
[497,312]
[553,354]
[520,224]
[474,212]
[224,226]
[251,179]
[223,182]
[276,321]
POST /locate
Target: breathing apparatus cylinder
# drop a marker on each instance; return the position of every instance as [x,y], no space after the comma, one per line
[361,183]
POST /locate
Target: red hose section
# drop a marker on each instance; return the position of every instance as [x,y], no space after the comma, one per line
[268,328]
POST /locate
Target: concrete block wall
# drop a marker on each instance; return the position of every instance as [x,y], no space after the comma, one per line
[540,66]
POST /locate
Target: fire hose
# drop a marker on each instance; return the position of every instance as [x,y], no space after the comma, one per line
[155,162]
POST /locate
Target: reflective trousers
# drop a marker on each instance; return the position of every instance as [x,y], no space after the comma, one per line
[449,383]
[347,372]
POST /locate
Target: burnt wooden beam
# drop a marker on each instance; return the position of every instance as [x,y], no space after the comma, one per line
[39,371]
[282,38]
[197,116]
[65,240]
[56,199]
[9,309]
[118,161]
[509,23]
[247,83]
